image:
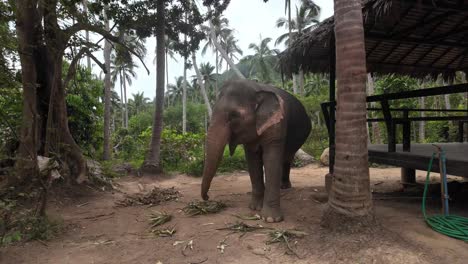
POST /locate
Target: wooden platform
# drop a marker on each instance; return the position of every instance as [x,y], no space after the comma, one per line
[419,156]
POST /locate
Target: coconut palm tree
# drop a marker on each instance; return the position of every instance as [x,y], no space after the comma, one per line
[259,61]
[152,162]
[221,28]
[221,50]
[229,44]
[307,16]
[201,83]
[174,91]
[138,104]
[350,201]
[125,72]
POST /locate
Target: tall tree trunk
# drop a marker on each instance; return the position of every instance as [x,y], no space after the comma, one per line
[202,86]
[122,99]
[217,74]
[301,82]
[290,40]
[184,98]
[422,128]
[85,11]
[375,126]
[107,93]
[223,53]
[350,200]
[26,27]
[125,101]
[152,163]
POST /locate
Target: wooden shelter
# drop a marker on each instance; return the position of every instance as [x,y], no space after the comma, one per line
[419,38]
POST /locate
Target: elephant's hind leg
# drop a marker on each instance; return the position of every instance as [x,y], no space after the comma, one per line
[255,165]
[285,182]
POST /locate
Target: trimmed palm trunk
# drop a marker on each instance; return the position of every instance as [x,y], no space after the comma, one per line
[223,53]
[152,163]
[350,201]
[85,11]
[202,85]
[184,98]
[107,93]
[122,99]
[125,100]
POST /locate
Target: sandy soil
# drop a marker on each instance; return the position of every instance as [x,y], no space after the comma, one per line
[96,231]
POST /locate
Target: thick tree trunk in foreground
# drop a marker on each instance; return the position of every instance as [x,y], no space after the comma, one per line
[223,53]
[202,86]
[26,163]
[152,163]
[350,201]
[107,94]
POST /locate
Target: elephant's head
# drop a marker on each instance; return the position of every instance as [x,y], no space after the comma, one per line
[243,112]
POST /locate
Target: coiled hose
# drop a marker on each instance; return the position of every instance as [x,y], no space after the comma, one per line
[449,225]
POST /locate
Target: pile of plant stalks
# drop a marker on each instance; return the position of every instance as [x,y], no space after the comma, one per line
[154,197]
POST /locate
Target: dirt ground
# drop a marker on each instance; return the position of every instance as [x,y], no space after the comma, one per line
[96,231]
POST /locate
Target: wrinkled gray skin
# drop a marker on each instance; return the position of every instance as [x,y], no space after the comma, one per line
[271,124]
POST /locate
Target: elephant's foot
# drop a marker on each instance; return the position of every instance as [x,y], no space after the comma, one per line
[271,215]
[256,204]
[286,185]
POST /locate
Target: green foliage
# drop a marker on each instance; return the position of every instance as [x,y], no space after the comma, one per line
[20,224]
[10,118]
[195,118]
[85,111]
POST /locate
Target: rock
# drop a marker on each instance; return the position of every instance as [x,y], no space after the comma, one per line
[95,173]
[47,165]
[324,157]
[122,169]
[302,158]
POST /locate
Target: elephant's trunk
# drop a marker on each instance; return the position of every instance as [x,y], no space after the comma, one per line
[217,138]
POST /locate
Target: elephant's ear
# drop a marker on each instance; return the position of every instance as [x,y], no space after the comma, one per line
[269,110]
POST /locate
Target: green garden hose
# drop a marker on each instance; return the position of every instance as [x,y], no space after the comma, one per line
[449,225]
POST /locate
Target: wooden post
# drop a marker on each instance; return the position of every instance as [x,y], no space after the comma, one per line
[408,175]
[390,126]
[461,127]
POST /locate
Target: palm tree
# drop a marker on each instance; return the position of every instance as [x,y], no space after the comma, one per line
[259,61]
[107,92]
[206,71]
[201,83]
[152,163]
[221,25]
[229,44]
[174,91]
[221,50]
[350,201]
[125,71]
[306,18]
[138,103]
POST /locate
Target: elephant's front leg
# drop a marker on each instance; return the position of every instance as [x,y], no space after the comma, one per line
[255,165]
[273,163]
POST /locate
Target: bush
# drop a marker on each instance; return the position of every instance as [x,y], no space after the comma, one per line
[228,164]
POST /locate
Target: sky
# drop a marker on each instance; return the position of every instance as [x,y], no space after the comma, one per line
[248,18]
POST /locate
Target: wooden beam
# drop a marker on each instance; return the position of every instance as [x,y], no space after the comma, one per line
[451,89]
[421,24]
[411,40]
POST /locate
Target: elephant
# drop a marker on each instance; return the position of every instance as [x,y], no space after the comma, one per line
[271,124]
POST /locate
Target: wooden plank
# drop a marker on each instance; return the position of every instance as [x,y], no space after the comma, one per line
[458,88]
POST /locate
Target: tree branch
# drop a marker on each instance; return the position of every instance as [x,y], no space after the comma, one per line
[72,69]
[98,30]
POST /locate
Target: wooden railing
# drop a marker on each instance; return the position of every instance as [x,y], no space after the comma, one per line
[404,119]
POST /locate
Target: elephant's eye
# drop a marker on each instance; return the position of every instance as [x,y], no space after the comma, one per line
[233,115]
